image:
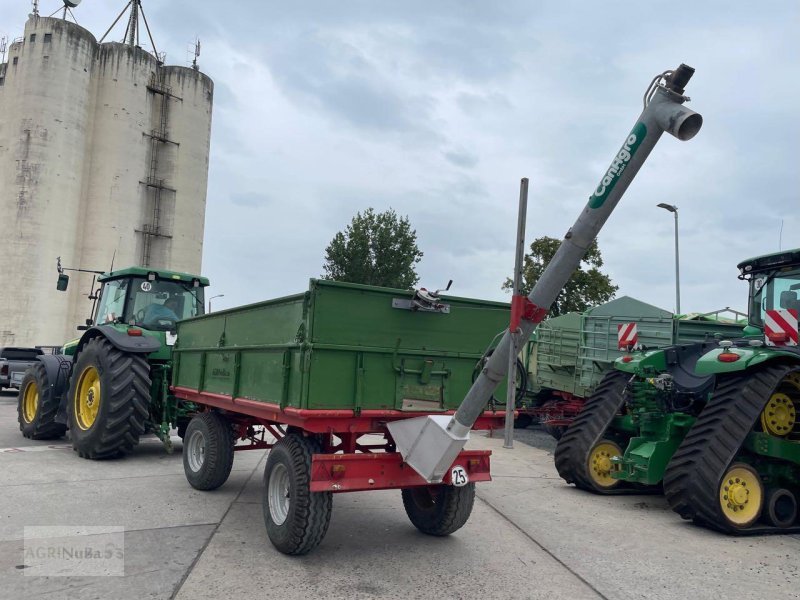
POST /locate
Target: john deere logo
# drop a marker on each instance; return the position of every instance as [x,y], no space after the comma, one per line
[618,166]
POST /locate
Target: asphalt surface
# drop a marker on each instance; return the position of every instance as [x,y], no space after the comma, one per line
[530,535]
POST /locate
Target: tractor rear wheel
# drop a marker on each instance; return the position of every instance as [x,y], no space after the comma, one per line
[296,518]
[208,451]
[109,400]
[439,510]
[38,405]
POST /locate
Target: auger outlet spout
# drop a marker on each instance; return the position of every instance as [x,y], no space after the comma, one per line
[430,444]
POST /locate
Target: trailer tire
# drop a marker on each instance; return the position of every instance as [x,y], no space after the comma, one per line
[37,405]
[555,431]
[523,421]
[208,443]
[439,510]
[296,518]
[119,384]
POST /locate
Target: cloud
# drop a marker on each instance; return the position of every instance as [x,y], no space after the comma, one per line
[438,109]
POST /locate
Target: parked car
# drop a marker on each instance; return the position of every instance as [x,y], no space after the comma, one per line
[13,364]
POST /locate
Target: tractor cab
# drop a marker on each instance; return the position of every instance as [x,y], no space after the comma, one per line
[774,286]
[142,305]
[152,300]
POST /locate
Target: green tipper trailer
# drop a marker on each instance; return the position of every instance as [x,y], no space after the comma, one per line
[572,352]
[339,346]
[321,371]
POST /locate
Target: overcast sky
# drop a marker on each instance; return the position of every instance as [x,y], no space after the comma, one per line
[437,109]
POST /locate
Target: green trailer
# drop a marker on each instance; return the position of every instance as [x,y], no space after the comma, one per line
[572,353]
[316,377]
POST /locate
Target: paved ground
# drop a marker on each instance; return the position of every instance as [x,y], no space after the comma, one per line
[530,536]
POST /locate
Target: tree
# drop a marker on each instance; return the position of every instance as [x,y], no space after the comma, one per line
[375,249]
[586,288]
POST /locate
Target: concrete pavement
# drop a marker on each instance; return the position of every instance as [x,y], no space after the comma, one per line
[530,536]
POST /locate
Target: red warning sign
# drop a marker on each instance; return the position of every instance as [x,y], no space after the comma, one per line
[780,327]
[627,336]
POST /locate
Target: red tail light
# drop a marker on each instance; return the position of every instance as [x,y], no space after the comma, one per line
[728,357]
[135,332]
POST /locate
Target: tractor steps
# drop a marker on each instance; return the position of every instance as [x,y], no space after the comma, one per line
[693,476]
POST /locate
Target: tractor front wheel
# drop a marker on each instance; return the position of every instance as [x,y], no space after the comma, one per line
[109,400]
[296,518]
[439,510]
[208,451]
[38,405]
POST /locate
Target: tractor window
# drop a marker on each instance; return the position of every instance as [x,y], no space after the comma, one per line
[112,301]
[158,305]
[777,290]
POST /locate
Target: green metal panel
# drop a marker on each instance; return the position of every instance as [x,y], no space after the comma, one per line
[572,352]
[553,362]
[698,330]
[599,334]
[339,346]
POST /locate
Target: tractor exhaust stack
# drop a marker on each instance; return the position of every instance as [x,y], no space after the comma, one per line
[430,444]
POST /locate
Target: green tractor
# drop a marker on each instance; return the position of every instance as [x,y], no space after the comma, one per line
[715,422]
[111,385]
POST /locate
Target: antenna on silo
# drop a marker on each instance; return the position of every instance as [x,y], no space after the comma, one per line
[35,7]
[132,30]
[3,46]
[196,54]
[65,10]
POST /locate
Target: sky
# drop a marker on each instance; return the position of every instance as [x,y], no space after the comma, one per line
[438,108]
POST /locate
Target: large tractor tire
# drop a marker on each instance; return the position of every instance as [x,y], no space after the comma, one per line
[208,451]
[109,400]
[439,510]
[296,518]
[37,406]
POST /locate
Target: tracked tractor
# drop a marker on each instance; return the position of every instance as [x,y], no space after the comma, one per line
[111,385]
[738,469]
[715,422]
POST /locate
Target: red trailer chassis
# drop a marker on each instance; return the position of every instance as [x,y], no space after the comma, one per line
[347,464]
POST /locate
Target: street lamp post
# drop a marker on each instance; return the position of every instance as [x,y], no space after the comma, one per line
[674,210]
[212,297]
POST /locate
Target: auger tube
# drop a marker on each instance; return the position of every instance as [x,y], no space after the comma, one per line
[431,444]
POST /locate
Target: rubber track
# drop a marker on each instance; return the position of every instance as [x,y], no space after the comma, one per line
[691,481]
[129,401]
[572,451]
[44,426]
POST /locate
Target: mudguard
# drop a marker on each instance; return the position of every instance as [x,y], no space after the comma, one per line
[142,344]
[58,370]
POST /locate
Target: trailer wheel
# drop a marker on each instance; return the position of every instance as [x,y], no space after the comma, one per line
[296,518]
[439,510]
[208,451]
[38,405]
[555,431]
[109,400]
[523,421]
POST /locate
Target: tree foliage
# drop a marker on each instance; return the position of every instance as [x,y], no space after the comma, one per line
[375,249]
[587,287]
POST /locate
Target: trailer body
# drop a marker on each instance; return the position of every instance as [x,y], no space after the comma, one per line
[571,353]
[339,346]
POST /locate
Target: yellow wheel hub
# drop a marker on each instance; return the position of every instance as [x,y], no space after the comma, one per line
[779,416]
[30,402]
[741,495]
[599,463]
[87,398]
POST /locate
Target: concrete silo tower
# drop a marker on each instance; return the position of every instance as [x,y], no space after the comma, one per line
[103,155]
